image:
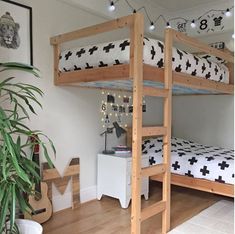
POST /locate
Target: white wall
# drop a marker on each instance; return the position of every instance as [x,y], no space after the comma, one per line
[70,116]
[205,119]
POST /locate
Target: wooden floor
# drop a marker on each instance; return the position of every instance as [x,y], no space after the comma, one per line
[107,217]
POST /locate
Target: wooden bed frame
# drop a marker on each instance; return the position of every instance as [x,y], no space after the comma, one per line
[189,182]
[137,71]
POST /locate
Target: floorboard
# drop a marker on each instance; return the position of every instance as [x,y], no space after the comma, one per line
[107,217]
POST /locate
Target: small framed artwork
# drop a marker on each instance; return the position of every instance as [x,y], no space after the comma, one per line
[16,44]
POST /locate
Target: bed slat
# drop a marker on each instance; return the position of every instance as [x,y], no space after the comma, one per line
[153,170]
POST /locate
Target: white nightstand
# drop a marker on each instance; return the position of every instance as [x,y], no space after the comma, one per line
[114,177]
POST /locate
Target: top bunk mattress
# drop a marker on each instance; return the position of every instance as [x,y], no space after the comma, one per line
[117,52]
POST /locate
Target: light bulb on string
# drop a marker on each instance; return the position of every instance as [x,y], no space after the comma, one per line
[152,26]
[228,12]
[193,25]
[168,25]
[112,6]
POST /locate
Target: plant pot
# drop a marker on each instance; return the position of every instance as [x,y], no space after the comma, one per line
[28,226]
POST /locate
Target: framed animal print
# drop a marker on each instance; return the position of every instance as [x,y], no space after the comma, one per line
[16,43]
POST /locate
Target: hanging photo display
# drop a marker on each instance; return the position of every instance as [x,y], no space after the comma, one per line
[117,107]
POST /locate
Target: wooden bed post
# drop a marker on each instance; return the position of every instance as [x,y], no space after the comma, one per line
[56,48]
[136,73]
[166,185]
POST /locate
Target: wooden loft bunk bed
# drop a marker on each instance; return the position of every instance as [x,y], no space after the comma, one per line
[138,73]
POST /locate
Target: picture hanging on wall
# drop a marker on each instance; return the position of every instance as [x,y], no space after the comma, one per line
[16,43]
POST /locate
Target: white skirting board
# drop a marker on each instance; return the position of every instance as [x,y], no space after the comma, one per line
[61,202]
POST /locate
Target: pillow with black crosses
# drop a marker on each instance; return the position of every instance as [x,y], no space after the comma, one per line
[212,58]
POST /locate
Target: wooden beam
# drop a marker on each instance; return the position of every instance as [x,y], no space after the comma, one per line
[125,21]
[166,188]
[153,170]
[153,210]
[200,184]
[136,72]
[56,49]
[155,92]
[186,40]
[120,72]
[154,131]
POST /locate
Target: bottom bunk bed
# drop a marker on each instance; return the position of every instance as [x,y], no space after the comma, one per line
[194,165]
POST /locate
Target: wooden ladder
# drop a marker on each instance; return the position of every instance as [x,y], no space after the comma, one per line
[136,70]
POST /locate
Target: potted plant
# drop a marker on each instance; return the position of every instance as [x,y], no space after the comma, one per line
[17,169]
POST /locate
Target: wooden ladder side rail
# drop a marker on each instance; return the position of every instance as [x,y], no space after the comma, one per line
[166,185]
[136,72]
[56,41]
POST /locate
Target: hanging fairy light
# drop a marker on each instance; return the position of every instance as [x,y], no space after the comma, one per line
[153,22]
[112,6]
[193,24]
[152,26]
[168,25]
[228,12]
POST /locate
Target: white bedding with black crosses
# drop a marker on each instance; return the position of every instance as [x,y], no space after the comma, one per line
[193,159]
[117,52]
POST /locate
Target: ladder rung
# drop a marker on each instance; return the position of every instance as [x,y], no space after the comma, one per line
[153,170]
[153,210]
[155,92]
[153,131]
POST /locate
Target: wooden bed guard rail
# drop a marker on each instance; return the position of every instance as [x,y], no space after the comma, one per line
[63,78]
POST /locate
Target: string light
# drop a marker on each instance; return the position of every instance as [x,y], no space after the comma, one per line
[193,25]
[228,12]
[112,6]
[152,26]
[168,25]
[152,23]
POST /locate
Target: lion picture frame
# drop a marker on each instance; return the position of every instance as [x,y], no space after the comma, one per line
[16,42]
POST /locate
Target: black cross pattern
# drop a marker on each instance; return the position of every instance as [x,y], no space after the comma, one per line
[146,141]
[188,64]
[189,174]
[228,158]
[76,68]
[68,55]
[80,52]
[223,165]
[186,142]
[192,160]
[180,54]
[178,143]
[209,62]
[220,180]
[152,161]
[172,144]
[159,140]
[93,49]
[88,66]
[108,47]
[60,57]
[233,175]
[160,63]
[216,70]
[151,146]
[157,151]
[203,68]
[210,158]
[65,69]
[208,75]
[204,170]
[143,147]
[145,152]
[117,62]
[102,64]
[181,154]
[196,59]
[153,52]
[124,44]
[178,69]
[221,77]
[176,165]
[161,46]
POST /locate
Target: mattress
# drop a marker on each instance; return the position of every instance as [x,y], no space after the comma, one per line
[194,160]
[117,52]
